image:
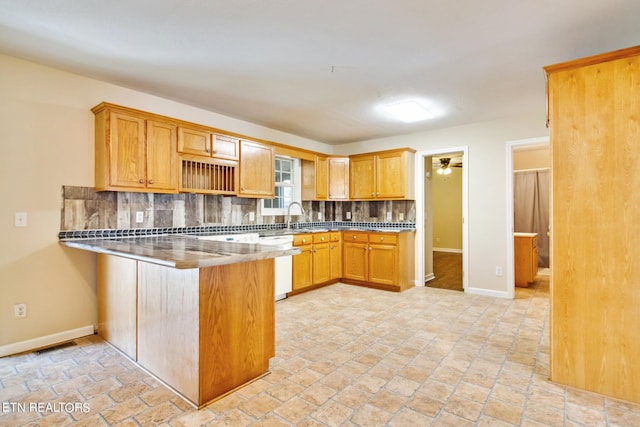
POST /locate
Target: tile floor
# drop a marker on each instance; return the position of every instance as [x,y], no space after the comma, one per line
[346,356]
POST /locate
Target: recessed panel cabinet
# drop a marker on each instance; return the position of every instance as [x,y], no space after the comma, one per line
[594,123]
[134,153]
[257,168]
[384,175]
[378,259]
[319,261]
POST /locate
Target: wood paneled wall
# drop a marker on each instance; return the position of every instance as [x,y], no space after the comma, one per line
[594,116]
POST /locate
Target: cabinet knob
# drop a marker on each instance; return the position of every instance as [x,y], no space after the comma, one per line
[382,239]
[141,181]
[208,150]
[378,193]
[150,181]
[373,194]
[370,248]
[322,238]
[355,237]
[304,240]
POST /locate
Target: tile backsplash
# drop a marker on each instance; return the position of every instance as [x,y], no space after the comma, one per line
[85,209]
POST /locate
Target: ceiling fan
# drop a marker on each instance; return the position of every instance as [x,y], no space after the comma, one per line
[446,165]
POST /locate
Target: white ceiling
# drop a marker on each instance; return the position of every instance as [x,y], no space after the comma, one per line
[321,68]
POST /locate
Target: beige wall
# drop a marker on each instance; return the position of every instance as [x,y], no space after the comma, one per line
[531,158]
[447,209]
[47,142]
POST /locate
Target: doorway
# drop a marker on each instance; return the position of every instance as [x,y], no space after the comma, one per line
[446,211]
[536,153]
[430,245]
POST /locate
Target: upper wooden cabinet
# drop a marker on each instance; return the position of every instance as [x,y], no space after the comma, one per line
[382,175]
[338,170]
[133,152]
[325,178]
[594,129]
[314,179]
[257,166]
[205,143]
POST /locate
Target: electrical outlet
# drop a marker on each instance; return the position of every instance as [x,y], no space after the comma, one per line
[20,310]
[139,217]
[400,216]
[389,216]
[319,215]
[20,219]
[348,215]
[252,216]
[498,271]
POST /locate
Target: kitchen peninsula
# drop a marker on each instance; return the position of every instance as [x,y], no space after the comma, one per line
[197,314]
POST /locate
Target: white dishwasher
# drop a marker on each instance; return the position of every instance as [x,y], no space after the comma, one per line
[283,264]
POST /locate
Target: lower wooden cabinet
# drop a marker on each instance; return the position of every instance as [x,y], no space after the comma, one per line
[318,263]
[378,259]
[525,257]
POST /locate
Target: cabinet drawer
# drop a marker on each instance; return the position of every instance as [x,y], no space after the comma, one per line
[321,237]
[383,238]
[302,239]
[355,236]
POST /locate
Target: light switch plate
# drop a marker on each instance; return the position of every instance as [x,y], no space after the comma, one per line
[348,215]
[139,217]
[389,216]
[20,219]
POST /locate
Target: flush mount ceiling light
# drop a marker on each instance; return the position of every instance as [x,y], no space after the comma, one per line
[409,111]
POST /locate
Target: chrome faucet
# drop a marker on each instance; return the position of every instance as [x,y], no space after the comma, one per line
[289,212]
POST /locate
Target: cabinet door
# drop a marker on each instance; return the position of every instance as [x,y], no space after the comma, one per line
[321,263]
[362,177]
[322,180]
[302,268]
[226,147]
[192,141]
[256,170]
[383,264]
[391,175]
[355,263]
[338,170]
[127,151]
[161,156]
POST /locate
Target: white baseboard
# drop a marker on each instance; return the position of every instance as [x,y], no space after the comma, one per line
[429,277]
[46,341]
[487,293]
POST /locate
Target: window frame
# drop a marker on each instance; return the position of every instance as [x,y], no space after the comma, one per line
[296,178]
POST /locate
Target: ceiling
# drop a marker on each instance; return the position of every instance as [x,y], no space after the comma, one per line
[321,69]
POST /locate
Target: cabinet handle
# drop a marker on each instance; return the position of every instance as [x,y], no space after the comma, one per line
[150,181]
[141,181]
